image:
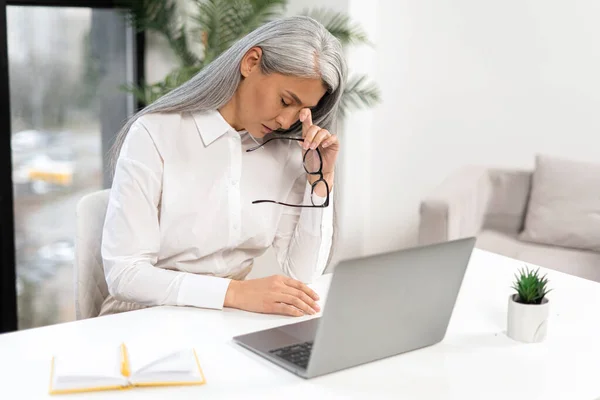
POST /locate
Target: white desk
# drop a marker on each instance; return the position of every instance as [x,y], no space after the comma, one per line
[475,361]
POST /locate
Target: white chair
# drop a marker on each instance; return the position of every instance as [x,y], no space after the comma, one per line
[90,285]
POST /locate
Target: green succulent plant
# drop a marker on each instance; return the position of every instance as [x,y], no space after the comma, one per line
[530,286]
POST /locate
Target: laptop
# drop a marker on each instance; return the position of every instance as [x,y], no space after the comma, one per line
[377,306]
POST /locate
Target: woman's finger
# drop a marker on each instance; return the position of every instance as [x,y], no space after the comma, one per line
[306,119]
[319,138]
[296,302]
[310,135]
[304,297]
[286,309]
[301,286]
[333,139]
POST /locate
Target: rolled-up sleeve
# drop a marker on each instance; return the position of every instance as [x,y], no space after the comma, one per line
[131,235]
[304,235]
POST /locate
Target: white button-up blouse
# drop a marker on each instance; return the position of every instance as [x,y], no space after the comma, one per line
[180,219]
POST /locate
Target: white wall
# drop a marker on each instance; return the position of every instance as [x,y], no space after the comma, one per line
[356,140]
[476,82]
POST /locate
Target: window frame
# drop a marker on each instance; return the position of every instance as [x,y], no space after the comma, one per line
[8,290]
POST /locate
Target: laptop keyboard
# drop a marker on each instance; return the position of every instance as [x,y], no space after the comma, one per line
[297,354]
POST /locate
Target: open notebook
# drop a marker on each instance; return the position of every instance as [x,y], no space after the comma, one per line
[121,368]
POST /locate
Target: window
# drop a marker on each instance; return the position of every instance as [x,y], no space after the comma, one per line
[65,66]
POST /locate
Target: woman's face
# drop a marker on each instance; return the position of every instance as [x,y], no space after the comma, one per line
[264,103]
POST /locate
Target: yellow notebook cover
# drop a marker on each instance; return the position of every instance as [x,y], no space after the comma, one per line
[108,370]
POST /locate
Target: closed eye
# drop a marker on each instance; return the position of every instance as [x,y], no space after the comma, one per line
[284,103]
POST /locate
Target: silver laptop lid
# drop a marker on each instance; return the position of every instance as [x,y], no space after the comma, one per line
[386,304]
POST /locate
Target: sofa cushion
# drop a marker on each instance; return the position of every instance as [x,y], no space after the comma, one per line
[499,242]
[508,199]
[564,207]
[582,263]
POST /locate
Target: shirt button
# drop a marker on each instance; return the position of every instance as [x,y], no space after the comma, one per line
[234,182]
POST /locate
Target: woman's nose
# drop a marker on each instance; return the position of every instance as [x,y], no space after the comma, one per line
[286,119]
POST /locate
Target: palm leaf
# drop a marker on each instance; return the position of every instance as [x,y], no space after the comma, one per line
[339,25]
[181,75]
[212,30]
[148,14]
[145,94]
[262,11]
[181,47]
[222,22]
[138,92]
[148,93]
[161,16]
[359,94]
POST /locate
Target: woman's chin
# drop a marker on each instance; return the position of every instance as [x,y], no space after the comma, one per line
[260,132]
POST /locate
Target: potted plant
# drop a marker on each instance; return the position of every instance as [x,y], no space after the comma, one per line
[528,308]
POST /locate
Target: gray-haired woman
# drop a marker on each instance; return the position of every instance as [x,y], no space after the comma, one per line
[183,224]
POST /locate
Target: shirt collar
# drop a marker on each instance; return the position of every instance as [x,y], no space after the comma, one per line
[211,125]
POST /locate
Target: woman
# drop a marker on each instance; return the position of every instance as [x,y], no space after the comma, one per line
[183,223]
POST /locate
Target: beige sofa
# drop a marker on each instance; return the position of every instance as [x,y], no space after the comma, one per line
[491,204]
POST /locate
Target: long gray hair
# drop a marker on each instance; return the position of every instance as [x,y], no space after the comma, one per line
[297,46]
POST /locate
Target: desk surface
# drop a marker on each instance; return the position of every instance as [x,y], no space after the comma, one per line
[476,360]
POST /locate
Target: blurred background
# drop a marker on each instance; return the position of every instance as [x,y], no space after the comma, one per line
[65,66]
[438,86]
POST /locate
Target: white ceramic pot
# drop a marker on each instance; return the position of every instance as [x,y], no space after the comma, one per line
[527,322]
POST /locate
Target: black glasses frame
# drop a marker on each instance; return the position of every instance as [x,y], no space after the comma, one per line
[319,173]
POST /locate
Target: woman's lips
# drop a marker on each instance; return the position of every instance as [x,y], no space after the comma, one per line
[267,129]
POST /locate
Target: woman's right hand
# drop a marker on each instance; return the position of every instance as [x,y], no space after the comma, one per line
[272,295]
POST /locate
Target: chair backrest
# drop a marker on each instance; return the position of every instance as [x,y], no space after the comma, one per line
[90,284]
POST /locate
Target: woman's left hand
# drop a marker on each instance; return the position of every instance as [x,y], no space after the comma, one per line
[328,144]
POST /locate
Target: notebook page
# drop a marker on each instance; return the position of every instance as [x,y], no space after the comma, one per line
[163,363]
[90,367]
[178,368]
[143,353]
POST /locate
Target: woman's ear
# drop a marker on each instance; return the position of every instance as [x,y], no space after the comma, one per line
[251,61]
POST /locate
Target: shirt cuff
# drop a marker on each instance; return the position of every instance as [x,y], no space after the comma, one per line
[313,220]
[203,291]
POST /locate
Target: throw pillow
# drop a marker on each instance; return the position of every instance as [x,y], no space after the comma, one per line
[564,204]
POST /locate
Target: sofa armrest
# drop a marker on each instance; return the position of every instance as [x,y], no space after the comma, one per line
[457,208]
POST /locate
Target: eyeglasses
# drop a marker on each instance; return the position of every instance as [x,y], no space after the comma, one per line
[313,165]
